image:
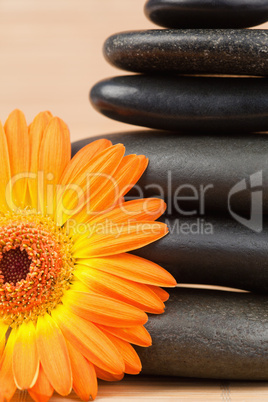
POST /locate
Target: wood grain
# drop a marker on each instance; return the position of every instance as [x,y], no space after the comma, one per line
[51,55]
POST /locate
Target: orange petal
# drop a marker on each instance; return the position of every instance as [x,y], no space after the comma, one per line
[89,183]
[161,293]
[134,268]
[82,158]
[36,132]
[25,357]
[130,356]
[106,376]
[89,340]
[117,239]
[122,181]
[55,154]
[137,335]
[103,310]
[7,383]
[5,173]
[147,209]
[85,382]
[136,294]
[54,354]
[18,147]
[42,391]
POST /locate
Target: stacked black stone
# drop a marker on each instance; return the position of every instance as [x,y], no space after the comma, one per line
[161,99]
[204,78]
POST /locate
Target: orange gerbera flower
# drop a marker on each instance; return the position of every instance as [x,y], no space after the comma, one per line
[71,298]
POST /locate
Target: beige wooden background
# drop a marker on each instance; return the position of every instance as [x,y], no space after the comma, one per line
[50,56]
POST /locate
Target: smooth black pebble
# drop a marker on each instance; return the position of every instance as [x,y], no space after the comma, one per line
[212,251]
[207,13]
[210,165]
[190,51]
[209,334]
[196,104]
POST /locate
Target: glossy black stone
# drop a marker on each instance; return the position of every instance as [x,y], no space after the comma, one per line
[207,13]
[196,160]
[196,104]
[190,51]
[209,334]
[212,251]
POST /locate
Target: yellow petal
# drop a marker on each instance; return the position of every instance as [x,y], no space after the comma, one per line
[117,239]
[103,310]
[136,294]
[36,132]
[18,147]
[5,174]
[3,331]
[7,383]
[85,382]
[131,267]
[54,354]
[55,154]
[89,340]
[25,357]
[42,391]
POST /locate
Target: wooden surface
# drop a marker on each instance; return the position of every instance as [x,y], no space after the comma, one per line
[50,57]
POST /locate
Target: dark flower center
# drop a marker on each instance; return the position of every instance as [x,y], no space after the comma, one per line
[15,265]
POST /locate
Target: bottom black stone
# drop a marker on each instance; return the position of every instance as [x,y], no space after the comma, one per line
[209,334]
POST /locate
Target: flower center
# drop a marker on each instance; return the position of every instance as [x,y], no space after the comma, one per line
[36,266]
[15,265]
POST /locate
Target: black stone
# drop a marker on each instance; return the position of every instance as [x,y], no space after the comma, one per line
[197,160]
[209,334]
[190,51]
[212,251]
[207,13]
[196,104]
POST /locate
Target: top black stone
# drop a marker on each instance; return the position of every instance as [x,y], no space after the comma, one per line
[207,13]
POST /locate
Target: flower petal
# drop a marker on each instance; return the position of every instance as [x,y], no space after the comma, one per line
[17,140]
[42,390]
[54,354]
[5,173]
[82,158]
[85,382]
[55,154]
[36,133]
[138,335]
[25,357]
[131,267]
[3,331]
[89,340]
[136,294]
[161,293]
[117,239]
[106,376]
[103,310]
[124,178]
[7,383]
[130,356]
[88,184]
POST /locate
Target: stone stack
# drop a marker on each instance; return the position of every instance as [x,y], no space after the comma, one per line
[203,81]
